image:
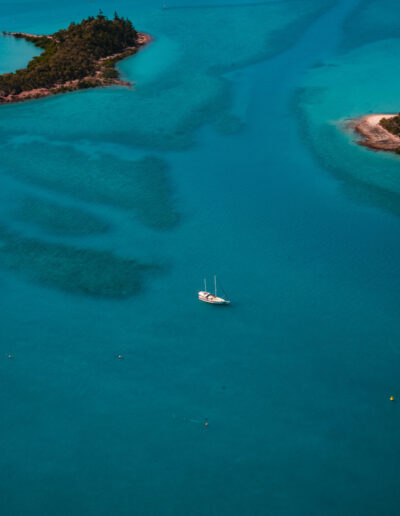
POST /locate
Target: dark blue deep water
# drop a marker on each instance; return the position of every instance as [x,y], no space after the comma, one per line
[229,156]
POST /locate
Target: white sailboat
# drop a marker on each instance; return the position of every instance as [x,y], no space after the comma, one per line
[213,299]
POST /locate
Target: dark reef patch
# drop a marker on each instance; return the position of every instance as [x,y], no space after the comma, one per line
[142,186]
[370,21]
[73,270]
[59,219]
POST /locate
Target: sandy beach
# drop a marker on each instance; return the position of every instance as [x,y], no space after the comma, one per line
[373,134]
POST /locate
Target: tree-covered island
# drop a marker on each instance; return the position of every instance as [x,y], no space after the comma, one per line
[82,56]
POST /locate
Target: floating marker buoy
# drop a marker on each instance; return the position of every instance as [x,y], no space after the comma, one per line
[120,357]
[206,423]
[391,398]
[9,356]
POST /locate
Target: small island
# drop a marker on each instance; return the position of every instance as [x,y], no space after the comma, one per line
[379,131]
[82,56]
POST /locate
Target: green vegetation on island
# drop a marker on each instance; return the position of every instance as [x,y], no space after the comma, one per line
[81,56]
[391,124]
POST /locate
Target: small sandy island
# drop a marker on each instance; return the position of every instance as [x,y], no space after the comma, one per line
[373,134]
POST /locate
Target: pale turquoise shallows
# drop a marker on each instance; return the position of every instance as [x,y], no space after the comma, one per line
[114,205]
[15,53]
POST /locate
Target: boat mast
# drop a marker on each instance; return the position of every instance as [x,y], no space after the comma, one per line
[215,285]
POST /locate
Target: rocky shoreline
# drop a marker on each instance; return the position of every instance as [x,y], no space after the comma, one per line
[374,136]
[91,81]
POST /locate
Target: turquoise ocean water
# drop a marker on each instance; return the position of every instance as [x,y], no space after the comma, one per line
[229,156]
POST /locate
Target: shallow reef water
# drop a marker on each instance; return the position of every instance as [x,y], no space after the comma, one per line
[196,47]
[179,85]
[141,186]
[228,156]
[357,82]
[369,21]
[58,219]
[15,53]
[74,270]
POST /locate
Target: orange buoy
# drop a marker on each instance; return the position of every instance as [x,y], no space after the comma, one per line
[391,398]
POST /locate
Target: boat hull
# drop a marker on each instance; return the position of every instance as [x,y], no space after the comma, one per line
[207,297]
